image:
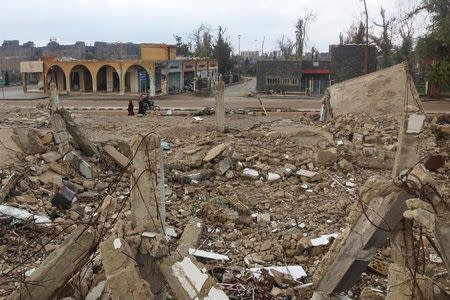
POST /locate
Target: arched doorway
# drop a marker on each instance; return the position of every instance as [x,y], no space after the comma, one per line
[137,80]
[56,75]
[108,79]
[80,79]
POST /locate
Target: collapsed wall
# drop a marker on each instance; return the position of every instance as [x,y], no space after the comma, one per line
[385,92]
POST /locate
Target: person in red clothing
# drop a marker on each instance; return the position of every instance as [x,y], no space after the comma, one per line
[130,108]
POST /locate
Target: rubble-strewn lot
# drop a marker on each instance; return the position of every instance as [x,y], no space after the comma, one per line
[268,191]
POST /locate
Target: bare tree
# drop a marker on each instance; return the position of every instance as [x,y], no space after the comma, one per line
[384,42]
[301,31]
[286,47]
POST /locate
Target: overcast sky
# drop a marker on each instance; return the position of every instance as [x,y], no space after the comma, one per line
[156,21]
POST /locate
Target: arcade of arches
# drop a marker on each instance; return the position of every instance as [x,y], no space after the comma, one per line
[96,76]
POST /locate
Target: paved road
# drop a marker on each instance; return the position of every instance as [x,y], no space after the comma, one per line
[233,99]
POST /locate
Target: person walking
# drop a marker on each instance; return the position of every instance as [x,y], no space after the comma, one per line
[130,108]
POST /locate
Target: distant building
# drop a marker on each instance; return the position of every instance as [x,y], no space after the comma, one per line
[252,56]
[347,61]
[314,74]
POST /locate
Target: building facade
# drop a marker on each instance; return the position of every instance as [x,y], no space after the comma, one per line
[314,74]
[155,70]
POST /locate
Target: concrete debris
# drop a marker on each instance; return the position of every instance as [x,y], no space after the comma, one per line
[23,215]
[296,272]
[375,94]
[260,198]
[122,275]
[273,177]
[120,159]
[9,185]
[97,291]
[28,140]
[324,239]
[214,152]
[252,173]
[78,163]
[207,254]
[64,261]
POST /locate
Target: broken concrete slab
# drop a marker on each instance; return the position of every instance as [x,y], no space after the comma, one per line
[51,177]
[23,215]
[78,163]
[86,147]
[207,254]
[51,156]
[296,272]
[214,152]
[325,157]
[116,156]
[59,267]
[122,275]
[379,93]
[194,281]
[348,258]
[28,140]
[9,185]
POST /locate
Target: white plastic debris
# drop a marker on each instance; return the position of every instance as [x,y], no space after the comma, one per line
[169,112]
[305,186]
[296,272]
[207,254]
[197,119]
[323,239]
[23,215]
[339,143]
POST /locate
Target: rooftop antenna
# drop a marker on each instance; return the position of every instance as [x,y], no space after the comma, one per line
[262,46]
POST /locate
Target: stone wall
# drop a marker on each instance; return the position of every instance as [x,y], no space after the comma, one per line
[12,53]
[347,61]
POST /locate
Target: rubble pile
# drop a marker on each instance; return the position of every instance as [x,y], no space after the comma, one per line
[267,202]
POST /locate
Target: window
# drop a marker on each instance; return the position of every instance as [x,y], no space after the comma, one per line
[281,81]
[272,81]
[201,66]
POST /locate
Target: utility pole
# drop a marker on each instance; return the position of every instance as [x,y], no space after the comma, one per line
[256,44]
[366,57]
[262,46]
[239,44]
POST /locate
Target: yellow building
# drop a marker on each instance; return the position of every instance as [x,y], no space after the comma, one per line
[156,71]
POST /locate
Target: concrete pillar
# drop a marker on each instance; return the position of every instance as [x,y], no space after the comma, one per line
[54,98]
[24,82]
[68,82]
[134,81]
[81,81]
[94,82]
[152,86]
[181,79]
[220,106]
[109,80]
[122,83]
[59,81]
